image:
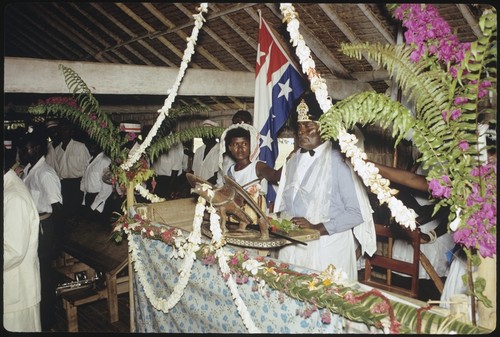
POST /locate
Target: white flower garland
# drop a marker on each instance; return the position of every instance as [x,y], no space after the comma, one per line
[146,194]
[368,171]
[134,155]
[184,248]
[218,242]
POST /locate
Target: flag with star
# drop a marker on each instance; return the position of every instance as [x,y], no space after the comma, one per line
[278,85]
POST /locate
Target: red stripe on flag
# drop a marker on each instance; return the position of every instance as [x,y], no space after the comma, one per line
[269,49]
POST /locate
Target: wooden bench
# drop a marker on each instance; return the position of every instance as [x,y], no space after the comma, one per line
[87,247]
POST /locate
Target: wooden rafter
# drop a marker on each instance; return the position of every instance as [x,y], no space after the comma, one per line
[125,29]
[145,25]
[72,34]
[376,23]
[105,31]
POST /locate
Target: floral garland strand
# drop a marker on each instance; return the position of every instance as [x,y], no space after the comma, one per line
[329,290]
[218,242]
[368,171]
[148,195]
[172,93]
[184,248]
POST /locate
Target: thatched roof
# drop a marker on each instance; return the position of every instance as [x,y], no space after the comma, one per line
[154,34]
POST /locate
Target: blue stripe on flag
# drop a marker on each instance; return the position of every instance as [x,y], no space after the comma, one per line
[276,98]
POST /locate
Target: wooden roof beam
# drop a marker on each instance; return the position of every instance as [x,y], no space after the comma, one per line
[126,30]
[33,39]
[65,29]
[471,20]
[219,40]
[28,75]
[106,31]
[202,51]
[337,20]
[236,28]
[146,45]
[84,28]
[376,22]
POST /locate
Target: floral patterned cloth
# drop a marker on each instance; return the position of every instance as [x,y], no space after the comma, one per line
[207,305]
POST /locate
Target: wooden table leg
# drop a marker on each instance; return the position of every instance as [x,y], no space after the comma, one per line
[112,298]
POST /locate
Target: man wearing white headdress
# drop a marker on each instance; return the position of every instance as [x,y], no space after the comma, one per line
[319,191]
[206,157]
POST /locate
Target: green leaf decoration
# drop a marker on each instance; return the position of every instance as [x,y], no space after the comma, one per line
[83,109]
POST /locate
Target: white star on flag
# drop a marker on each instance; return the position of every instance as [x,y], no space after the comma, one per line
[259,55]
[285,89]
[267,140]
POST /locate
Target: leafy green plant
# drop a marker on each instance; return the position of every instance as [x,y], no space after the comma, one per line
[83,109]
[450,97]
[433,91]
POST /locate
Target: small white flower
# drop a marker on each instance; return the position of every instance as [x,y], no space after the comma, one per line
[252,266]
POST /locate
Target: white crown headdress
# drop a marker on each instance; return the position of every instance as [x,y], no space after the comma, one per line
[302,110]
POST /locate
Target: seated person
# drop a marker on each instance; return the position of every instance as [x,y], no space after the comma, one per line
[436,242]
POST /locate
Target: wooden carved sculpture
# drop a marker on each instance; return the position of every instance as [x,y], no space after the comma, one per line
[229,200]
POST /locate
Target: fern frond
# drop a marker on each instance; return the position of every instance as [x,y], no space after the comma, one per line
[165,143]
[426,87]
[366,108]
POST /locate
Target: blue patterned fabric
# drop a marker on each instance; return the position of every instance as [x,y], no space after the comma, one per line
[207,305]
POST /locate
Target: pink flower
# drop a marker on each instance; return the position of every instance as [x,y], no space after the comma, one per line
[326,318]
[455,113]
[481,93]
[460,100]
[485,84]
[438,190]
[380,308]
[463,145]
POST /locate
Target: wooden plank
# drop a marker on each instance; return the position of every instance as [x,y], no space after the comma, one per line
[395,265]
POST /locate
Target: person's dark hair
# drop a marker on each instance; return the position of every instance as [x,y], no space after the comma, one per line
[37,137]
[242,116]
[235,133]
[9,158]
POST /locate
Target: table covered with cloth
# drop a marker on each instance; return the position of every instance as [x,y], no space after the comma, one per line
[207,305]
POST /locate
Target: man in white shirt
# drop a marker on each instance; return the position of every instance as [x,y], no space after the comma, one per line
[318,190]
[71,160]
[45,189]
[168,168]
[95,191]
[21,269]
[206,157]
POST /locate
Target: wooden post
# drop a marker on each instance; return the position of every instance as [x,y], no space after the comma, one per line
[488,270]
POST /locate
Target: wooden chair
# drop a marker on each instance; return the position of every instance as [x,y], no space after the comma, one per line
[387,263]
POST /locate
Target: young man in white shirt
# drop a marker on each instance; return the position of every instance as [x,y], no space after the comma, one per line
[45,188]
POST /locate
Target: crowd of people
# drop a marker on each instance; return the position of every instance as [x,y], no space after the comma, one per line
[52,178]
